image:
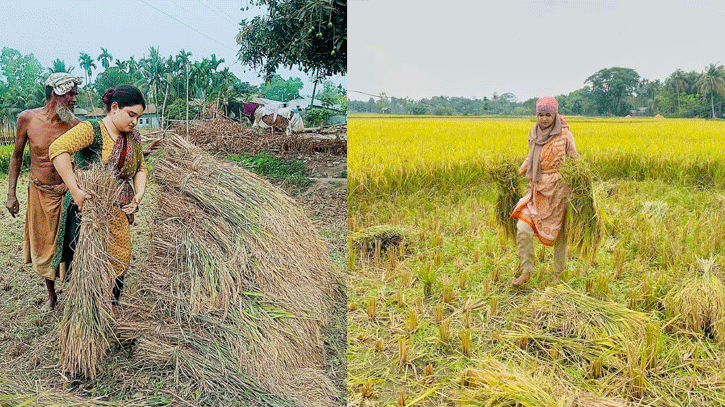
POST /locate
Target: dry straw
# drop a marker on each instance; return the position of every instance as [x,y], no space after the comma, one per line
[583,224]
[237,289]
[583,328]
[379,238]
[85,328]
[697,303]
[504,174]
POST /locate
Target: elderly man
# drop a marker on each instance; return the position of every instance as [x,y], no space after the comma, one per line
[39,128]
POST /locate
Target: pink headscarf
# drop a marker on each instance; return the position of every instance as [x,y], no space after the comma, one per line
[542,135]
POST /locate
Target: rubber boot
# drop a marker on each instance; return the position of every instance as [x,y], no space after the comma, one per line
[525,246]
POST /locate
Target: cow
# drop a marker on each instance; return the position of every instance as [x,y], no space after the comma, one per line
[279,118]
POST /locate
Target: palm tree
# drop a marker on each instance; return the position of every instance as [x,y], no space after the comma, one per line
[59,66]
[678,82]
[105,58]
[712,82]
[86,63]
[121,65]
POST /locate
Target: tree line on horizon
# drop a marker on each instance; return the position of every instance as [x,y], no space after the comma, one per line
[612,91]
[163,80]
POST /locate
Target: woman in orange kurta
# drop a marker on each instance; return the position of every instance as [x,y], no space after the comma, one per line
[542,210]
[119,146]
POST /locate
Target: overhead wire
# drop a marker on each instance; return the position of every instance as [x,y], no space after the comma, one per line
[187,25]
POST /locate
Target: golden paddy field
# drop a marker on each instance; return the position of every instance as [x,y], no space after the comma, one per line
[433,319]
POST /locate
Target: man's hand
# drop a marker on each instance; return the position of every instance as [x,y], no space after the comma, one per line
[13,205]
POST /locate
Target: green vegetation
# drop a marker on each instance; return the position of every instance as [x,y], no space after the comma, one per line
[611,91]
[6,153]
[291,172]
[317,117]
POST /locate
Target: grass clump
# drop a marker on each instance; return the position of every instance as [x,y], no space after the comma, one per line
[697,304]
[291,172]
[583,224]
[504,175]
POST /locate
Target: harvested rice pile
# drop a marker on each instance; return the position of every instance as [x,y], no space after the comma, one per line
[697,303]
[237,289]
[496,384]
[583,223]
[85,328]
[224,135]
[578,327]
[509,192]
[384,236]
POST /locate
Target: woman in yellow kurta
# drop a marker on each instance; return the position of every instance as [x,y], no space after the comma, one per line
[119,146]
[542,210]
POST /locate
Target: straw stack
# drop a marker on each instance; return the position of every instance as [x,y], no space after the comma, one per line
[238,288]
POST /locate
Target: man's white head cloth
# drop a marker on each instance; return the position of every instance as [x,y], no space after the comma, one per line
[62,82]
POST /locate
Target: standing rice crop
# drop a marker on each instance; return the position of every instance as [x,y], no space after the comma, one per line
[583,224]
[504,174]
[85,327]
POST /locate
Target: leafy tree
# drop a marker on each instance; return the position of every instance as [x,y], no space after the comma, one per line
[282,90]
[112,77]
[308,33]
[417,109]
[331,94]
[712,83]
[610,87]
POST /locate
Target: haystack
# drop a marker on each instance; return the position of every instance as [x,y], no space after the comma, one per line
[505,175]
[659,116]
[85,327]
[237,288]
[697,304]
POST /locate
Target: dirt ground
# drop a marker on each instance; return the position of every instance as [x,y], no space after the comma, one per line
[28,345]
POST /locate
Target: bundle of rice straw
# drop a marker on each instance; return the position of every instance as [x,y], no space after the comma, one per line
[384,236]
[84,330]
[504,174]
[237,289]
[582,326]
[583,224]
[697,303]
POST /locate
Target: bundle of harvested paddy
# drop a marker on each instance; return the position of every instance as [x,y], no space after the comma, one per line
[84,330]
[580,326]
[497,384]
[382,236]
[697,303]
[583,224]
[238,287]
[504,174]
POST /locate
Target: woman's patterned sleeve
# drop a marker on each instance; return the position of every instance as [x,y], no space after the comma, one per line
[571,147]
[73,140]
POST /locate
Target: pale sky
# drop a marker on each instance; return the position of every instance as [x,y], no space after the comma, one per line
[534,48]
[64,29]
